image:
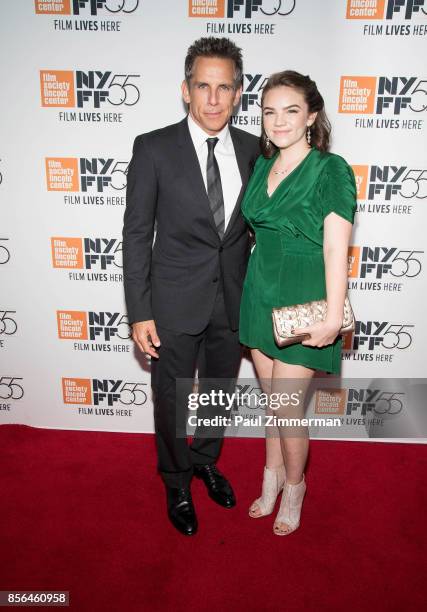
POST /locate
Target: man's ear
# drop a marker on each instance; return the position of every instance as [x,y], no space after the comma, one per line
[237,96]
[185,92]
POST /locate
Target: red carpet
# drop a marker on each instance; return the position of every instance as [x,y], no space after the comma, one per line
[85,512]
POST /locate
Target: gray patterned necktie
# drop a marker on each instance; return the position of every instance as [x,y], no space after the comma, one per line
[214,185]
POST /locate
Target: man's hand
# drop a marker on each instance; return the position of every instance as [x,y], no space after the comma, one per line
[144,333]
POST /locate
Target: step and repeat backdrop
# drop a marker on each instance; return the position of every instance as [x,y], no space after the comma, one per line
[83,77]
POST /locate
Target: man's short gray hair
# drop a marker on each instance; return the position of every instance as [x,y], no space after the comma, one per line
[215,47]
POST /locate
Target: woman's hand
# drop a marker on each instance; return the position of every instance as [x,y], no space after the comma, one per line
[321,334]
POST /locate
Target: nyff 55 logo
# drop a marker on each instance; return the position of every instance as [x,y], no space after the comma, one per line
[87,391]
[75,89]
[77,7]
[377,262]
[8,325]
[385,182]
[240,8]
[4,251]
[81,325]
[378,95]
[253,84]
[384,9]
[87,253]
[371,335]
[10,388]
[85,174]
[359,401]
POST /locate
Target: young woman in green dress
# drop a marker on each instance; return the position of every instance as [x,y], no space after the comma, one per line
[300,204]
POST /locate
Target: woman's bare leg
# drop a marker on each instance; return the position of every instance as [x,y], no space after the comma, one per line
[294,441]
[273,451]
[264,369]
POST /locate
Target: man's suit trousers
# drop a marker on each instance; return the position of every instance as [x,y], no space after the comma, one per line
[216,352]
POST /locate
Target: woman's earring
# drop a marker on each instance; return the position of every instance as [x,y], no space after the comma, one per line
[267,142]
[308,134]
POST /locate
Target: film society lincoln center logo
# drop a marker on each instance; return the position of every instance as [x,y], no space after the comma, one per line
[241,16]
[382,268]
[389,188]
[389,17]
[94,178]
[104,330]
[77,7]
[359,402]
[104,397]
[94,90]
[88,259]
[396,101]
[104,15]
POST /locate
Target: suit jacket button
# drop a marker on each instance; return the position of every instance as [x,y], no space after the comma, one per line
[215,280]
[221,248]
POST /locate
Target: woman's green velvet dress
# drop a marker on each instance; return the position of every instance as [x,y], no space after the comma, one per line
[286,265]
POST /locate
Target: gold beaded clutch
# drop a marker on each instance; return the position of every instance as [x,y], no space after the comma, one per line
[287,318]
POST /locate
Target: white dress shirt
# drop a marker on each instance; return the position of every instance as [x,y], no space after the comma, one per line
[226,157]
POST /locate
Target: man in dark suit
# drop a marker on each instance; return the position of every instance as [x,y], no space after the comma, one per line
[183,293]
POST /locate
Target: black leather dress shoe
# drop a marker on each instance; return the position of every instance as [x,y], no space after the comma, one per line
[181,510]
[219,488]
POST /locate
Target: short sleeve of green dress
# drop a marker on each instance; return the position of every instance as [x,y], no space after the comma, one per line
[286,265]
[337,189]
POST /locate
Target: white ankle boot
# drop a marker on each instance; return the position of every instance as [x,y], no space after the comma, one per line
[272,484]
[290,508]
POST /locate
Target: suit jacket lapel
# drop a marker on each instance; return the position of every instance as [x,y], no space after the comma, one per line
[191,167]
